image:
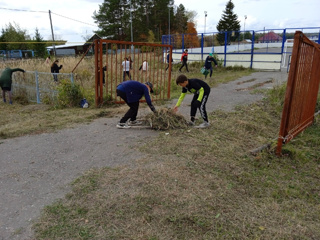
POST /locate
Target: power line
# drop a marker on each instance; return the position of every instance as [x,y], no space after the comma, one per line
[23,10]
[73,19]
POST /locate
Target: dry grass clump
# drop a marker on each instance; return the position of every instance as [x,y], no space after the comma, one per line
[165,119]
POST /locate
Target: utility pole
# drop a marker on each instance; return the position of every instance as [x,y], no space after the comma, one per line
[54,48]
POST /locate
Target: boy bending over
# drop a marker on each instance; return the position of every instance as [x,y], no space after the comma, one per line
[201,91]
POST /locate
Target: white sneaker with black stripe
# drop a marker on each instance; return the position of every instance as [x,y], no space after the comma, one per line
[123,125]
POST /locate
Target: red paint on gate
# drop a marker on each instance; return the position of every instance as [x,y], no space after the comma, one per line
[302,89]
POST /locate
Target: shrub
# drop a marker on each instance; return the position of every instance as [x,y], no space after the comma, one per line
[69,94]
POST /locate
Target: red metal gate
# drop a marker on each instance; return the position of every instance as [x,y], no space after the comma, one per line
[148,63]
[302,89]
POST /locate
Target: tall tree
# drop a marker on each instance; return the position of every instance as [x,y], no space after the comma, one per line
[181,20]
[39,46]
[160,17]
[142,20]
[229,22]
[114,22]
[113,19]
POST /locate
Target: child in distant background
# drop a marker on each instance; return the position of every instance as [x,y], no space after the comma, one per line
[126,69]
[168,59]
[48,60]
[144,66]
[55,69]
[208,63]
[184,59]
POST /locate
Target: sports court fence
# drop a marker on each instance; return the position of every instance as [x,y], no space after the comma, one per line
[38,87]
[267,49]
[302,89]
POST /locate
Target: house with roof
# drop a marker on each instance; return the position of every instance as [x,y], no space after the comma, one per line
[270,37]
[72,49]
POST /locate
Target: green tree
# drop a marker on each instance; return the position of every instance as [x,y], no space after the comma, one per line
[11,34]
[160,17]
[39,46]
[113,19]
[228,23]
[181,20]
[141,19]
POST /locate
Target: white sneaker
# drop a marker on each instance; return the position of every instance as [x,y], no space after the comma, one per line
[135,123]
[123,125]
[203,125]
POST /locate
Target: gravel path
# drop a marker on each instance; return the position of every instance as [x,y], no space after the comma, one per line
[37,169]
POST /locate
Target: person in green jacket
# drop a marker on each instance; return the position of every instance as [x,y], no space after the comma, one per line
[6,82]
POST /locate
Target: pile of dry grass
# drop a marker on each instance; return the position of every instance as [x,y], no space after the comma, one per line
[165,119]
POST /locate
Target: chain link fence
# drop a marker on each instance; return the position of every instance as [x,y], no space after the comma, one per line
[38,87]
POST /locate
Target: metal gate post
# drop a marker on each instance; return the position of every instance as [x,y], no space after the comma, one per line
[37,86]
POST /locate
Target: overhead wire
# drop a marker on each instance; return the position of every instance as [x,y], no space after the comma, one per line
[23,10]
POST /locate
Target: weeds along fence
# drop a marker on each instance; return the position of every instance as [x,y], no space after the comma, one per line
[302,89]
[36,86]
[267,49]
[146,63]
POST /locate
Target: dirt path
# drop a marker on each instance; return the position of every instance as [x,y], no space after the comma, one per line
[37,169]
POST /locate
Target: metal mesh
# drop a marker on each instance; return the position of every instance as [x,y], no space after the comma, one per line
[37,86]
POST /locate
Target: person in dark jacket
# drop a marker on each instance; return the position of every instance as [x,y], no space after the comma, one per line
[184,59]
[201,91]
[131,92]
[55,69]
[168,60]
[6,82]
[208,63]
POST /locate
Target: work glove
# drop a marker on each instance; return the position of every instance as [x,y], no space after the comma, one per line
[153,109]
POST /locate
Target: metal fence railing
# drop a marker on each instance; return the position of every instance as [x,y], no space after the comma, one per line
[268,49]
[302,89]
[37,86]
[147,63]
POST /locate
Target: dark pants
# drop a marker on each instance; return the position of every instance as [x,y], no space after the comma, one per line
[126,73]
[210,71]
[202,107]
[133,110]
[184,63]
[55,77]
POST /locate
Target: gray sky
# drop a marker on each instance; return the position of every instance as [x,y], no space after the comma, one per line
[269,14]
